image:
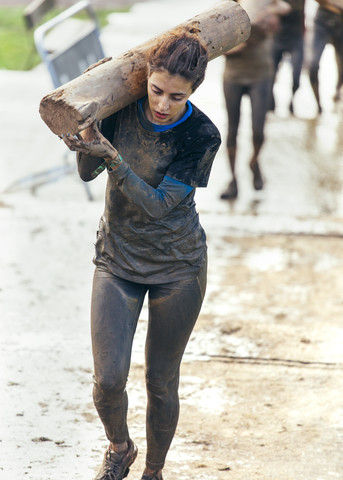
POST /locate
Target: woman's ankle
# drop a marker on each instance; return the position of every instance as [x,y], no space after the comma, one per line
[119,447]
[152,474]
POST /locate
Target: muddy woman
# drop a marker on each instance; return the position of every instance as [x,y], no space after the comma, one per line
[156,152]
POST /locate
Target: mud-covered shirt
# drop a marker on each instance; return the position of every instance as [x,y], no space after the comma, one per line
[136,241]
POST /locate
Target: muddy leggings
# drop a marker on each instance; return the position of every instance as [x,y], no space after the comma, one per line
[259,95]
[173,311]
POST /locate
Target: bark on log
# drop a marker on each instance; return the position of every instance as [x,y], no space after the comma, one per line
[115,84]
[336,3]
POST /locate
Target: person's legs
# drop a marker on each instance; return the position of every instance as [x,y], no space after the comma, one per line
[337,41]
[277,55]
[339,62]
[297,58]
[173,311]
[321,37]
[259,94]
[116,304]
[233,96]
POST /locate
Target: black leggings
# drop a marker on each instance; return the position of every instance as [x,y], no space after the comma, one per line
[173,310]
[295,47]
[259,95]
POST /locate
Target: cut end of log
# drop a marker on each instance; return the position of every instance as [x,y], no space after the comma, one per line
[63,118]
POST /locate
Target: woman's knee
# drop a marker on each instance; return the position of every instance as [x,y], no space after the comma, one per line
[161,385]
[258,138]
[231,141]
[109,384]
[313,72]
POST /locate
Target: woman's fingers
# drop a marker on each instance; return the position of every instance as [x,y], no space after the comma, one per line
[96,145]
[87,123]
[75,142]
[96,129]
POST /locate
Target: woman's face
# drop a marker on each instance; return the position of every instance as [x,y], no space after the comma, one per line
[167,97]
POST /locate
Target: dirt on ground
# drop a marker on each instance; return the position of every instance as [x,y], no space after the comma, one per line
[273,388]
[261,386]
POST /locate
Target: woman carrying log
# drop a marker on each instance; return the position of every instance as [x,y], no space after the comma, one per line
[156,151]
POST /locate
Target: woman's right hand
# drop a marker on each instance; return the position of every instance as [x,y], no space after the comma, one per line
[91,142]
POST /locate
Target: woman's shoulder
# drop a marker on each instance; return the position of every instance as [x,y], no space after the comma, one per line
[199,125]
[125,111]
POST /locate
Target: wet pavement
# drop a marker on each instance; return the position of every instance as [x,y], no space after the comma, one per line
[270,332]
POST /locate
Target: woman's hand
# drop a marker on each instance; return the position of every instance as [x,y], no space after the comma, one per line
[91,142]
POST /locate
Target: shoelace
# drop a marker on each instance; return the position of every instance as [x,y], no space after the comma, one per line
[112,465]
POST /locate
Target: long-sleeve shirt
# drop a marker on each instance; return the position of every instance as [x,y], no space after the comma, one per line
[150,230]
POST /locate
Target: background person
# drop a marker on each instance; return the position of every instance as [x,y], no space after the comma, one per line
[289,39]
[249,71]
[327,28]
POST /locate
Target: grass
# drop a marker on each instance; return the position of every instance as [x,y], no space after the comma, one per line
[17,48]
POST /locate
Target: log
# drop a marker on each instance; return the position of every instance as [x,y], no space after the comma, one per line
[256,10]
[336,3]
[111,86]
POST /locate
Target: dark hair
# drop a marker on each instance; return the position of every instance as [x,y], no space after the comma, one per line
[180,52]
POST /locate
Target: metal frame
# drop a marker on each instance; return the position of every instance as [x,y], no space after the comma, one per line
[64,64]
[80,52]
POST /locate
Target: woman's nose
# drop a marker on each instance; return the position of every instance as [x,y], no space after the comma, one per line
[163,103]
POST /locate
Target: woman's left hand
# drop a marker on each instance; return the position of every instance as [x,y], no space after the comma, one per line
[90,142]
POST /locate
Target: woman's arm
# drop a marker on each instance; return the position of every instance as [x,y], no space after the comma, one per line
[154,202]
[95,153]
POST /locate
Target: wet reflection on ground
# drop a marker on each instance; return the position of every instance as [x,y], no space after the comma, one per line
[302,165]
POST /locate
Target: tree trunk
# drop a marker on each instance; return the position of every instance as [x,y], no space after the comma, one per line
[111,86]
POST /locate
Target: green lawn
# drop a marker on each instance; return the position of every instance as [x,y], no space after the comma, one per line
[17,49]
